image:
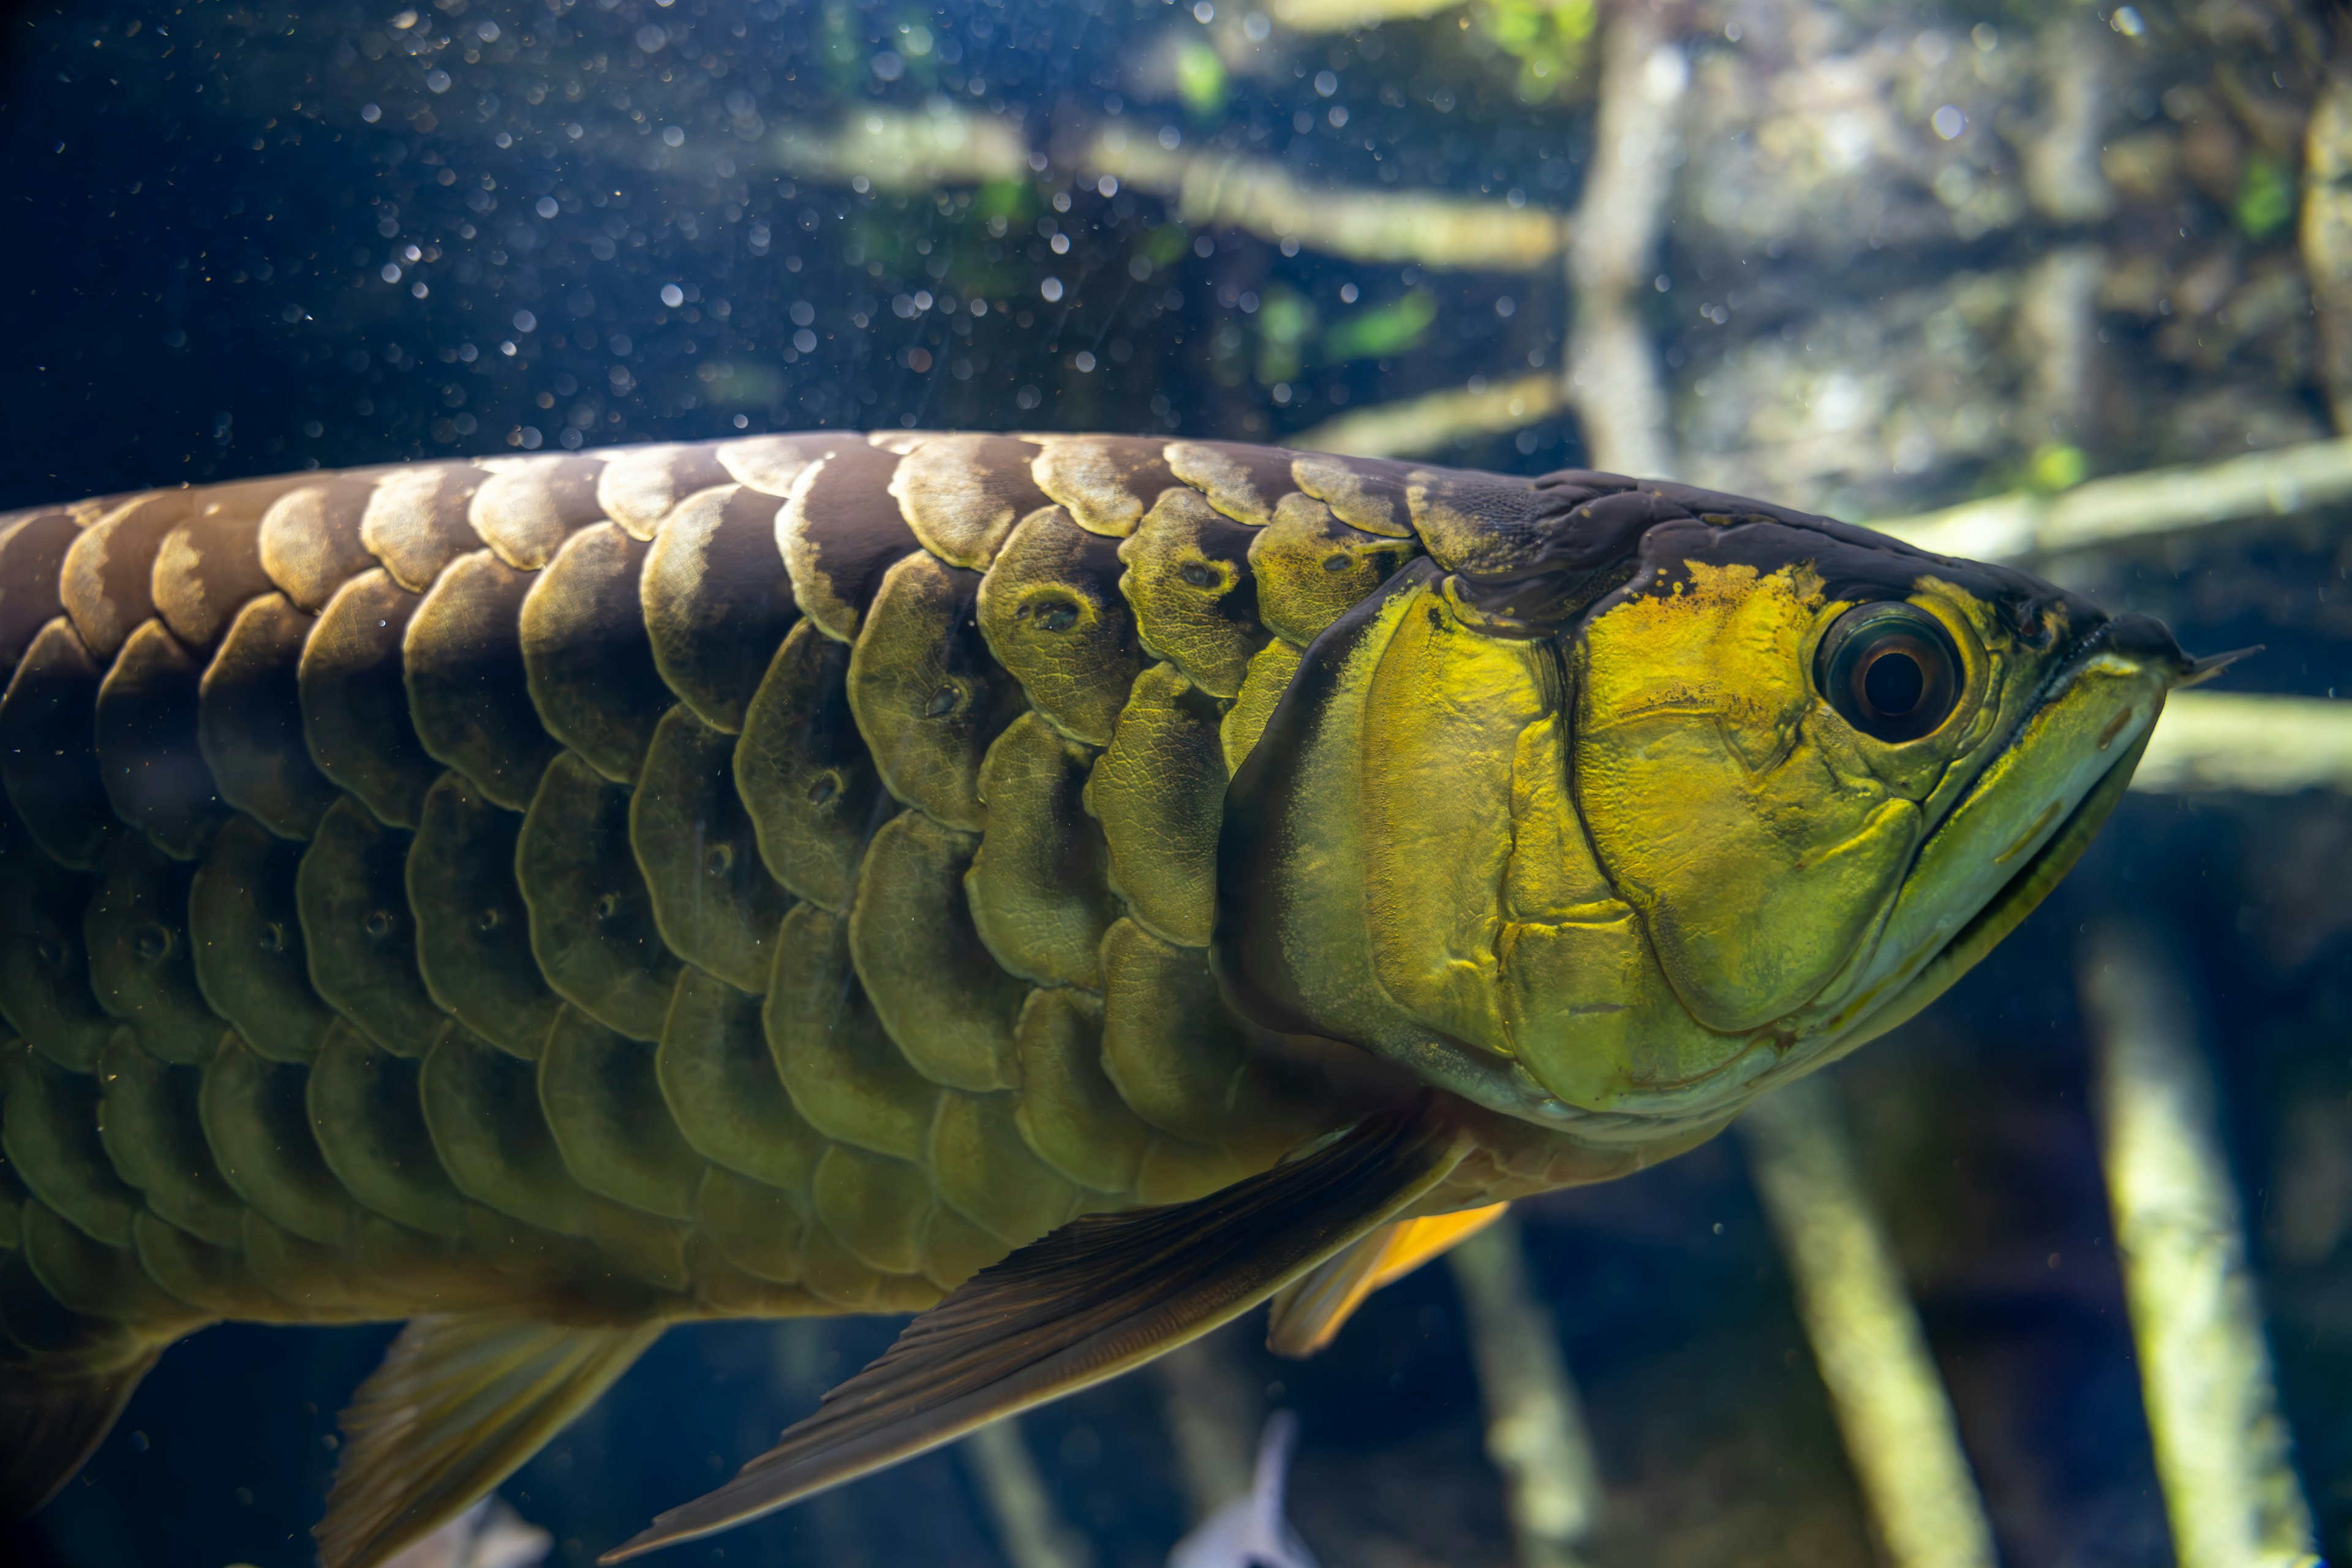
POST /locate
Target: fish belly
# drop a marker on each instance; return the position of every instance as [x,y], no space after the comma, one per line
[768,877]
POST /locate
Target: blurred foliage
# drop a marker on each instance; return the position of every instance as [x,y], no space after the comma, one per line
[1164,245]
[2056,467]
[1285,319]
[2265,196]
[1201,80]
[841,44]
[913,50]
[741,383]
[1015,201]
[1549,38]
[1384,330]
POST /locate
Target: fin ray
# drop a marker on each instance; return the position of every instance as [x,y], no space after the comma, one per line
[461,1402]
[1089,1301]
[1309,1313]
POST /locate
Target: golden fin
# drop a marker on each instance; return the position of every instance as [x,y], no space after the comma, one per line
[459,1404]
[1308,1314]
[1095,1299]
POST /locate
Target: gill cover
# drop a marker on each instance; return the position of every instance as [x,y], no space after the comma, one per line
[1606,806]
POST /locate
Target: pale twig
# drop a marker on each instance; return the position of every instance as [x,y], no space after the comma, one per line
[1885,1390]
[1212,1419]
[1611,377]
[1217,189]
[1028,1526]
[2128,507]
[1346,15]
[1612,371]
[1534,1425]
[2209,740]
[2326,237]
[898,151]
[2220,1442]
[1418,426]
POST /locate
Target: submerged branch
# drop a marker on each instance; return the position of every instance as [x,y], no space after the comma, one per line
[2254,744]
[1220,191]
[1613,378]
[1534,1425]
[1885,1390]
[1419,425]
[1347,15]
[2221,1444]
[2278,483]
[1213,1413]
[898,151]
[1029,1526]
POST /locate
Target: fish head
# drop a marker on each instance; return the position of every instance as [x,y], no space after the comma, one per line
[1620,825]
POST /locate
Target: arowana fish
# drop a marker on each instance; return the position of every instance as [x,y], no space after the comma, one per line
[1073,888]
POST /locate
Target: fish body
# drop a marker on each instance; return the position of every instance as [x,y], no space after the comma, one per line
[548,897]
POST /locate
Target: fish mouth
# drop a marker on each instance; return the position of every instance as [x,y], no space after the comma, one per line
[2021,826]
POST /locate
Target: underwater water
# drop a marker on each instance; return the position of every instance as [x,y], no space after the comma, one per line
[1883,259]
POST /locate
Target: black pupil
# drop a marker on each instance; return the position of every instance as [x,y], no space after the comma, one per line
[1890,671]
[1893,682]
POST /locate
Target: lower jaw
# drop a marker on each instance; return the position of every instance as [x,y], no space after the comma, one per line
[2018,898]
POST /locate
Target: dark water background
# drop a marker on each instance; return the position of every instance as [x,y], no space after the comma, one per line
[248,238]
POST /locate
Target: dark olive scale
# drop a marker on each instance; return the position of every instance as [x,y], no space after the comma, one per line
[249,718]
[770,876]
[49,750]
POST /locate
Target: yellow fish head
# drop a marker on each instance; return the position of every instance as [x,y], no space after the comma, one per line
[1615,814]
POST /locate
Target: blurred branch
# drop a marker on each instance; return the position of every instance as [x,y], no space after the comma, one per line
[1028,1526]
[1612,366]
[1213,1418]
[1884,1389]
[2222,1445]
[2058,156]
[2259,745]
[1346,15]
[1535,1426]
[2327,238]
[898,150]
[1217,189]
[1423,424]
[2160,500]
[1610,375]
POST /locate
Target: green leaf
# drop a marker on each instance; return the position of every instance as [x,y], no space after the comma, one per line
[2056,467]
[1384,330]
[1200,79]
[2265,196]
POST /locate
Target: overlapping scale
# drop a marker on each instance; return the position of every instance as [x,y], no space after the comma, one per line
[770,873]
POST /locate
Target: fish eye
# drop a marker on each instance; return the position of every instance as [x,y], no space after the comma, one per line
[1890,671]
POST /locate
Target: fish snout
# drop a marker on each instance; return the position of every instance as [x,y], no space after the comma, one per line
[2148,642]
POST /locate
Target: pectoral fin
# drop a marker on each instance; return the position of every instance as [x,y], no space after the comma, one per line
[459,1404]
[1095,1299]
[1308,1313]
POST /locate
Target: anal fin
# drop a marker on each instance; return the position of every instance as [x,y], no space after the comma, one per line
[1093,1299]
[461,1402]
[1308,1313]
